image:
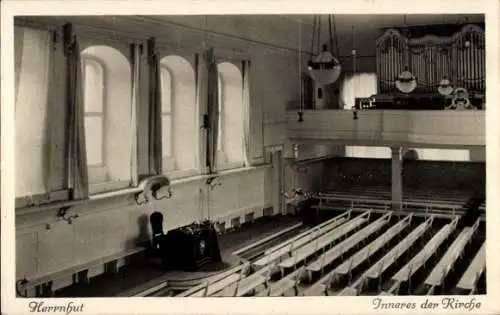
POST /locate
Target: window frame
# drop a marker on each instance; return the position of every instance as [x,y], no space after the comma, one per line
[169,164]
[98,173]
[221,154]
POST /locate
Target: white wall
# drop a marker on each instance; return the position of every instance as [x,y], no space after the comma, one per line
[45,245]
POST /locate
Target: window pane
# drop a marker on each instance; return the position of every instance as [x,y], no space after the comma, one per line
[93,88]
[368,152]
[166,91]
[360,85]
[166,129]
[94,139]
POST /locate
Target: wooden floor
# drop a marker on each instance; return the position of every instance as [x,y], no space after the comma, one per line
[139,275]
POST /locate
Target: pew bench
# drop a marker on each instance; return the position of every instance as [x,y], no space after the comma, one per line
[474,271]
[247,284]
[446,263]
[419,260]
[348,291]
[211,288]
[43,285]
[313,247]
[323,227]
[229,274]
[373,247]
[284,285]
[267,239]
[337,251]
[376,271]
[317,289]
[290,247]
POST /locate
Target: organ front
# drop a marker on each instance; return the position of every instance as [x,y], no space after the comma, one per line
[433,56]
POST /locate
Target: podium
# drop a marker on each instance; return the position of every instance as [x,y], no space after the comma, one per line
[186,248]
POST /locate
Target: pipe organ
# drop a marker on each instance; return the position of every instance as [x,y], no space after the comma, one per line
[459,58]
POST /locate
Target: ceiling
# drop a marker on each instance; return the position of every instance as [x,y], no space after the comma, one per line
[281,30]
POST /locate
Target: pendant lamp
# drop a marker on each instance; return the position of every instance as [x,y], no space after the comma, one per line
[323,67]
[406,82]
[445,87]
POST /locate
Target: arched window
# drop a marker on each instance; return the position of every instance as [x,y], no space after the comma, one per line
[179,117]
[356,86]
[166,118]
[231,152]
[93,99]
[108,107]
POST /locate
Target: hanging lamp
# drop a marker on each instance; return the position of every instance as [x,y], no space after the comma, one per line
[445,87]
[300,113]
[406,81]
[323,67]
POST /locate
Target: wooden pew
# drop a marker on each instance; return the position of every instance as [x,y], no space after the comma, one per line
[348,291]
[329,256]
[289,247]
[324,227]
[43,284]
[430,248]
[371,248]
[378,269]
[284,285]
[267,239]
[474,271]
[248,284]
[306,251]
[446,263]
[211,288]
[203,287]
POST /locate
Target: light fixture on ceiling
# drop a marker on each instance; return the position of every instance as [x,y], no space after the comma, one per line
[300,113]
[406,81]
[445,87]
[323,68]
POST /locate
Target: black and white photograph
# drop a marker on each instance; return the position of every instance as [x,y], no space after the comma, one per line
[332,154]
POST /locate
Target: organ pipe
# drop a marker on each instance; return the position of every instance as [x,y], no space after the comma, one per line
[459,57]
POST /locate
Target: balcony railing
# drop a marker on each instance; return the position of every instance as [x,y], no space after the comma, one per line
[390,127]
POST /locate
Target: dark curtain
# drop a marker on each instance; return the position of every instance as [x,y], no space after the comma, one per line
[77,155]
[212,110]
[155,132]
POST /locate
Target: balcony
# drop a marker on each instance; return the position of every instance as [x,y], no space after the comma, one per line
[431,128]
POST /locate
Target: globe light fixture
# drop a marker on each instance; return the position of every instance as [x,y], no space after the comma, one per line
[406,82]
[445,87]
[324,69]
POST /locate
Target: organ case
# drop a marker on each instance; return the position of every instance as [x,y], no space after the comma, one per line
[460,58]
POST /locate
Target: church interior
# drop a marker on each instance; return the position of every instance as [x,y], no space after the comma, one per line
[250,155]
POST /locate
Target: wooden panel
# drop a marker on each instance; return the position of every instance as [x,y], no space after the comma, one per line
[390,128]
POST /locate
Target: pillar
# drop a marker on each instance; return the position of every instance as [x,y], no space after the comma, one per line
[397,177]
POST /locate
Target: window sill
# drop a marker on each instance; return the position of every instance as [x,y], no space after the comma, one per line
[230,166]
[106,187]
[180,174]
[119,188]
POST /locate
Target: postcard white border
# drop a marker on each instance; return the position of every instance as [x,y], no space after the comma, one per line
[301,305]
